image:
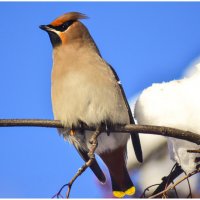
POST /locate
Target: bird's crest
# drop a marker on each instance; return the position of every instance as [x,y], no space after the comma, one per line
[68,17]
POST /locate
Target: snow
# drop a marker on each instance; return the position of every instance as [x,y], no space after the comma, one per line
[174,104]
[149,142]
[154,154]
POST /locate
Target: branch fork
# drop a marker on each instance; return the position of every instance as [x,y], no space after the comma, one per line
[93,145]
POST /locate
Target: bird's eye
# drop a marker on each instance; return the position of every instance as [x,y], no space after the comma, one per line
[64,26]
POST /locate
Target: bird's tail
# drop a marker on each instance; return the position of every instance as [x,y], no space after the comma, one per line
[122,188]
[121,181]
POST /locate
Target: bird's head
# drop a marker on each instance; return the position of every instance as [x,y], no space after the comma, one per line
[66,28]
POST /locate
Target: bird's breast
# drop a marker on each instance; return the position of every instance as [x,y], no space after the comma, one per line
[85,89]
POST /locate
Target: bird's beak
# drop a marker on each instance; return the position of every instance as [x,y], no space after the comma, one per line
[44,28]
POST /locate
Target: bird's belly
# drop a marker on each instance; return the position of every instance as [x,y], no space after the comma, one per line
[76,98]
[108,142]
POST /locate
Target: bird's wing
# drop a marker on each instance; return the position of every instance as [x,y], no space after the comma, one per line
[134,136]
[94,167]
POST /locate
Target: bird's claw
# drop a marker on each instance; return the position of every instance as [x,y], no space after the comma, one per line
[197,159]
[107,128]
[72,132]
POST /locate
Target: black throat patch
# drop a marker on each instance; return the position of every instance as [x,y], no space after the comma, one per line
[55,39]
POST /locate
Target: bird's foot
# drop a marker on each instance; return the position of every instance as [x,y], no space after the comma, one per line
[72,132]
[197,159]
[79,126]
[107,126]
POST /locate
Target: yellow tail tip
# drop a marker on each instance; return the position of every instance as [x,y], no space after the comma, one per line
[118,194]
[130,191]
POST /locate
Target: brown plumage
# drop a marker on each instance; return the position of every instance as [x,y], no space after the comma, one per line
[86,89]
[67,17]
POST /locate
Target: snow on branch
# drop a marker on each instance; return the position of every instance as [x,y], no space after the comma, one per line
[145,129]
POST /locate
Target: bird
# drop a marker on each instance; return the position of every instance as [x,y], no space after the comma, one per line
[85,89]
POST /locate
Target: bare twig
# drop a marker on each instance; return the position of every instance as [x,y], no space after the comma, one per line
[147,189]
[145,129]
[174,185]
[176,193]
[189,186]
[58,194]
[94,143]
[194,151]
[166,181]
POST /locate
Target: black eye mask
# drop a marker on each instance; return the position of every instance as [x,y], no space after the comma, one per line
[63,26]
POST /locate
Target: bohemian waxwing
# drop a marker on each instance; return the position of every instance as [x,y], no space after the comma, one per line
[86,89]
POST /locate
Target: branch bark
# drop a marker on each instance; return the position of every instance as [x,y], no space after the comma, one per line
[175,184]
[145,129]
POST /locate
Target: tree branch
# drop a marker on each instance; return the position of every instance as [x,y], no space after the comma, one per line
[175,184]
[93,145]
[145,129]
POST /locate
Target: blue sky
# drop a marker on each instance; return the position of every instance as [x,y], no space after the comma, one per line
[144,42]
